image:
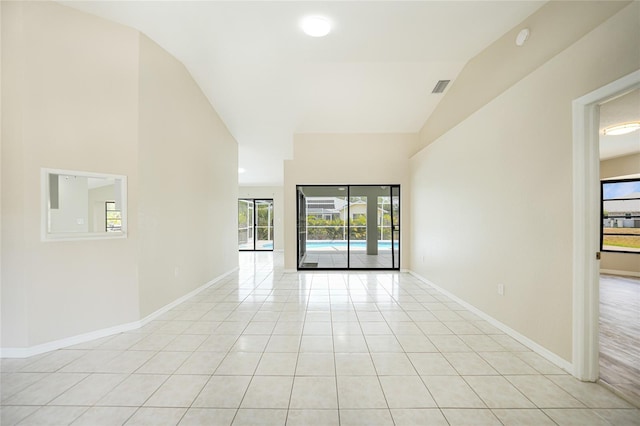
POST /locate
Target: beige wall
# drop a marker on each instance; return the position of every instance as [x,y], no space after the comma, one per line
[69,102]
[554,27]
[277,194]
[82,93]
[621,263]
[346,159]
[491,199]
[620,166]
[188,168]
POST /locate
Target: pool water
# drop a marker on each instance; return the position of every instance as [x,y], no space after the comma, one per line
[342,245]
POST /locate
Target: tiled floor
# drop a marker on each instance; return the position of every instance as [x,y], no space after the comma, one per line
[267,347]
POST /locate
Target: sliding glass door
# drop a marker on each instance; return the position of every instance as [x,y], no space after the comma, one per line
[348,226]
[255,224]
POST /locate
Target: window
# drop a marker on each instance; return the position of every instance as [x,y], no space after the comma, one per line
[620,216]
[113,217]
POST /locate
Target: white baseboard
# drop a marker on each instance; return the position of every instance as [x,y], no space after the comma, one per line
[97,334]
[619,272]
[540,350]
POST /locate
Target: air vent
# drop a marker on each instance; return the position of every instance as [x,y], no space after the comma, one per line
[440,86]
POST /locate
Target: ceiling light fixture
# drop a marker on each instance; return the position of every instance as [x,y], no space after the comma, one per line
[622,129]
[316,26]
[241,170]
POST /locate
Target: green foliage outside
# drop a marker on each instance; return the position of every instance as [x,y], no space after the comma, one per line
[324,229]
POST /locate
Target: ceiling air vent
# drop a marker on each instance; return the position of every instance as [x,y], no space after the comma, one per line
[440,86]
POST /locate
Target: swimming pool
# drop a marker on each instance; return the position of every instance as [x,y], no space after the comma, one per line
[342,245]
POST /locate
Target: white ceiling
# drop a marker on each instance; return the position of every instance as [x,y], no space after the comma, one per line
[617,111]
[372,74]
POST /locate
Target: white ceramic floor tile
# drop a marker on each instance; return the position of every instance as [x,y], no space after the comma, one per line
[177,391]
[239,363]
[53,361]
[354,364]
[452,392]
[223,392]
[374,417]
[310,348]
[12,414]
[315,364]
[393,364]
[314,393]
[53,416]
[250,343]
[543,392]
[201,363]
[260,417]
[469,363]
[350,344]
[90,390]
[383,343]
[13,383]
[357,392]
[156,416]
[268,392]
[418,417]
[507,363]
[406,392]
[105,416]
[316,344]
[208,416]
[497,392]
[630,417]
[133,391]
[277,364]
[431,364]
[522,417]
[185,343]
[163,363]
[45,390]
[590,394]
[283,343]
[458,417]
[575,417]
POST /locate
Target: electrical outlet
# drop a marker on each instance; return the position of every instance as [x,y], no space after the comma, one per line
[501,289]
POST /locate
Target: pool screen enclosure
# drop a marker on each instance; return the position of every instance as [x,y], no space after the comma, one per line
[255,224]
[348,227]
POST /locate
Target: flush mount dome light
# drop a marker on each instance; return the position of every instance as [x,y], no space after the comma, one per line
[622,129]
[316,26]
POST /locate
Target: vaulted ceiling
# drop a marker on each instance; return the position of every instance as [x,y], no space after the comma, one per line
[373,73]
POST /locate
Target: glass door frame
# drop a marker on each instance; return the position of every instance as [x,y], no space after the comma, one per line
[254,202]
[394,191]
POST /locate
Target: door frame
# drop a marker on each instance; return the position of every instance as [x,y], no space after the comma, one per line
[586,223]
[255,224]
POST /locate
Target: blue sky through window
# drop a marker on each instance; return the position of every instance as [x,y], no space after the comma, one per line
[619,189]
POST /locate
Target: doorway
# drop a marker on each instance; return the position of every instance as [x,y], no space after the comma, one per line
[587,223]
[348,227]
[255,224]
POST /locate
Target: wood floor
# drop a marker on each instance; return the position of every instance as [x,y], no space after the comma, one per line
[620,335]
